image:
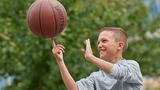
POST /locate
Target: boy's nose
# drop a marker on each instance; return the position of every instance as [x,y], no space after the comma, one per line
[99,45]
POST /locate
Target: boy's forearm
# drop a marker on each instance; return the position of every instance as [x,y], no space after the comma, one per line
[104,65]
[67,78]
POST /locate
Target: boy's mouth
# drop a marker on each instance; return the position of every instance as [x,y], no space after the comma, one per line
[102,51]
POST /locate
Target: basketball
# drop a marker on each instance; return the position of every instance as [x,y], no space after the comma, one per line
[46,18]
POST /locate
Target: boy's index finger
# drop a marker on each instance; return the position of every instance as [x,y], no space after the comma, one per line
[53,43]
[88,43]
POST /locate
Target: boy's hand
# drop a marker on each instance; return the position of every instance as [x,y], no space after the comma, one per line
[88,52]
[58,51]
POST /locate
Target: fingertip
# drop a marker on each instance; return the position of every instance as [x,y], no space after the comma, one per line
[52,39]
[87,40]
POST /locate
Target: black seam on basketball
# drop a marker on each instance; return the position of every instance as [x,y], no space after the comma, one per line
[55,18]
[65,13]
[29,13]
[40,19]
[62,13]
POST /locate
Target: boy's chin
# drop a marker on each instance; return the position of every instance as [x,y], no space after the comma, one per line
[104,58]
[101,57]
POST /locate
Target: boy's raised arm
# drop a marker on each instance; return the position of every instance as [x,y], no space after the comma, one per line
[58,51]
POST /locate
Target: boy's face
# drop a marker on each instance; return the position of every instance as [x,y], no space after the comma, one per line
[107,47]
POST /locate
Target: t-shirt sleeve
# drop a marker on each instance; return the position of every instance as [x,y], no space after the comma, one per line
[127,72]
[86,83]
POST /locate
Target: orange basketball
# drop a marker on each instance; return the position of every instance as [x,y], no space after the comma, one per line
[46,18]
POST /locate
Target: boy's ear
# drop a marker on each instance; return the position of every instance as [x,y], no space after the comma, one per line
[120,46]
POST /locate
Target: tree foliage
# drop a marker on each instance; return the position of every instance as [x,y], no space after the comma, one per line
[30,59]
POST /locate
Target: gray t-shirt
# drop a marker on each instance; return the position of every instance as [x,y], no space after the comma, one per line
[125,75]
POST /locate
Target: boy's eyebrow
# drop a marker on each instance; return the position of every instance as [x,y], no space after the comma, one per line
[103,38]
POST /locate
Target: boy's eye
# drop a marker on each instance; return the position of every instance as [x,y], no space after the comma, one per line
[104,40]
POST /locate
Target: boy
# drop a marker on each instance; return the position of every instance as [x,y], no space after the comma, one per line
[115,72]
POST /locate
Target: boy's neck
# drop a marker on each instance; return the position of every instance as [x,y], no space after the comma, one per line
[115,59]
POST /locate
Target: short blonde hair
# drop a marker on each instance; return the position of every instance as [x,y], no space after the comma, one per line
[119,35]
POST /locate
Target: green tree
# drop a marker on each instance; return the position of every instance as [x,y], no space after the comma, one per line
[30,59]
